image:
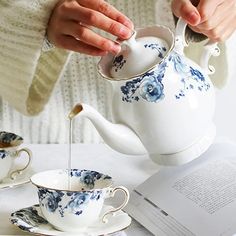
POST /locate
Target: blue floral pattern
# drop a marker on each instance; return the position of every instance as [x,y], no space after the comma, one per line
[52,200]
[151,89]
[118,62]
[27,218]
[148,86]
[190,78]
[3,154]
[155,46]
[88,177]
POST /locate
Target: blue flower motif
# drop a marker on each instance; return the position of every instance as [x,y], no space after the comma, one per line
[90,177]
[78,199]
[78,212]
[151,89]
[75,172]
[160,49]
[190,78]
[119,59]
[118,62]
[50,199]
[197,73]
[51,202]
[125,90]
[129,90]
[63,201]
[96,195]
[179,65]
[149,86]
[2,154]
[160,70]
[27,218]
[87,177]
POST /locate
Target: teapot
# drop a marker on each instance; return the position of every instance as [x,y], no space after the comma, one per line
[163,103]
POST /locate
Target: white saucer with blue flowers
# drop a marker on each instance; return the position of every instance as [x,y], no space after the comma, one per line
[19,179]
[31,220]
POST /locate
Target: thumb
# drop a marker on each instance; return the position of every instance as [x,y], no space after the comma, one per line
[186,10]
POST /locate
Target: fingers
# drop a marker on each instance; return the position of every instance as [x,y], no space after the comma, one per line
[72,44]
[220,24]
[108,10]
[212,22]
[216,17]
[94,18]
[206,8]
[186,10]
[222,31]
[86,35]
[74,19]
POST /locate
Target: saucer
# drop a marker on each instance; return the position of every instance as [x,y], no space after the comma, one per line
[30,219]
[19,179]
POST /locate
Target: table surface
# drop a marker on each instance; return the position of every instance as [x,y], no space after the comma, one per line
[126,170]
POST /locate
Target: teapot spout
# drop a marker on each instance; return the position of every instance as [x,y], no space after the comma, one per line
[118,136]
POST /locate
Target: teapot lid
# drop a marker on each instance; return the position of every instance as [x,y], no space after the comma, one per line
[146,48]
[138,55]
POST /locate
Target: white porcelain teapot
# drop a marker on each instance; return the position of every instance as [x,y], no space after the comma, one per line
[163,103]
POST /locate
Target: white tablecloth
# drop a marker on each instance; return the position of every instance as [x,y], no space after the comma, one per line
[126,170]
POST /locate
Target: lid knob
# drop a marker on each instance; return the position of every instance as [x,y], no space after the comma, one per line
[138,55]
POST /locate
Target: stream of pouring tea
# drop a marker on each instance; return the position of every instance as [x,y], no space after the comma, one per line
[69,159]
[76,110]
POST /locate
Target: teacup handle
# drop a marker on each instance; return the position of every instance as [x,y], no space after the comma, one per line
[18,153]
[112,192]
[210,48]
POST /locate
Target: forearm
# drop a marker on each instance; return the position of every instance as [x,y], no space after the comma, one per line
[24,69]
[23,25]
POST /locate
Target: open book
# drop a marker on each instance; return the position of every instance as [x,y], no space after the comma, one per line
[198,198]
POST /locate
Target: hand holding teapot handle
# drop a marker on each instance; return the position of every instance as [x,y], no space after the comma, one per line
[210,48]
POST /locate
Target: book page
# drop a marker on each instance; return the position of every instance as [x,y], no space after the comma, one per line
[154,218]
[201,195]
[211,187]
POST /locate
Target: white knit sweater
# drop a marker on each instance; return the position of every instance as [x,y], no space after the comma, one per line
[46,85]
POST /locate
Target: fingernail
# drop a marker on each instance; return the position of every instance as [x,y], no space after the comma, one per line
[115,49]
[193,18]
[129,24]
[125,33]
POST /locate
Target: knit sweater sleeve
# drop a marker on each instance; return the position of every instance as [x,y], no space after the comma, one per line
[27,74]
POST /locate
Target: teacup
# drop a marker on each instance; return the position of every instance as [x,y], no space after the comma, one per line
[72,200]
[9,151]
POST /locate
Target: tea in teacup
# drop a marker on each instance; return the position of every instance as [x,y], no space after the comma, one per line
[76,209]
[8,139]
[9,151]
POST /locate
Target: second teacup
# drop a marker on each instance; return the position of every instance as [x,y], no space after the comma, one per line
[74,208]
[9,151]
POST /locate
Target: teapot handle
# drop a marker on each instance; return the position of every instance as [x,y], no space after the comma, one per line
[180,42]
[210,48]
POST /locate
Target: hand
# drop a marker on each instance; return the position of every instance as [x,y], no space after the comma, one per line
[70,26]
[214,18]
